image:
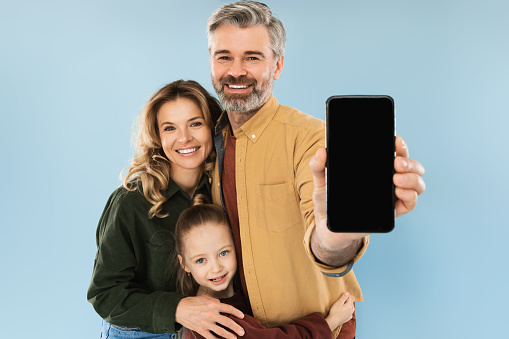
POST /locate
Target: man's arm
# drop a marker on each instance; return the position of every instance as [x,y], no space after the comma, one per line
[337,249]
[335,256]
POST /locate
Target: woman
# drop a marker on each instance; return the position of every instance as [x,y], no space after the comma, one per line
[130,289]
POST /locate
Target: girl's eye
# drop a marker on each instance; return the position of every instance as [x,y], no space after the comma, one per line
[224,253]
[200,261]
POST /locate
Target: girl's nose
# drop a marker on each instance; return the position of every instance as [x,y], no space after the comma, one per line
[217,267]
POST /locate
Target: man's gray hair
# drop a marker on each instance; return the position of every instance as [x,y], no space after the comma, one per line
[244,14]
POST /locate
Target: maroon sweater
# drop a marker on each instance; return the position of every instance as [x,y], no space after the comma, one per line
[311,326]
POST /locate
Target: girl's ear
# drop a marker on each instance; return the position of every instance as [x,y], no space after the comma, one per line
[182,264]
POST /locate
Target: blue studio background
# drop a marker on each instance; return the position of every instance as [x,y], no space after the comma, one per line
[74,74]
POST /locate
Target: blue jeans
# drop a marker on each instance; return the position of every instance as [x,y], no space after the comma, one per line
[110,331]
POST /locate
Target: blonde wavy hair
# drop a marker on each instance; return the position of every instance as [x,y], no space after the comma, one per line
[150,168]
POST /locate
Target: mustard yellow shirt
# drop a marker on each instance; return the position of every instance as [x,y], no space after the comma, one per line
[274,197]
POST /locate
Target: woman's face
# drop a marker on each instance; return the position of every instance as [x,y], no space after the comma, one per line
[185,137]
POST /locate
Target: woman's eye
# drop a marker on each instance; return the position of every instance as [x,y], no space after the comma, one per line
[222,254]
[169,128]
[195,124]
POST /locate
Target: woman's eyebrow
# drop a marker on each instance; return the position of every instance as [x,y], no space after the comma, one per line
[189,120]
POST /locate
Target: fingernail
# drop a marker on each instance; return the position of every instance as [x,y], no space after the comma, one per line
[401,179]
[404,163]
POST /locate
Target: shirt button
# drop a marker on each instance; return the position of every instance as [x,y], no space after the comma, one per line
[253,136]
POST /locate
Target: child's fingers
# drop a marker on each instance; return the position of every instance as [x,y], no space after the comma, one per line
[349,302]
[344,298]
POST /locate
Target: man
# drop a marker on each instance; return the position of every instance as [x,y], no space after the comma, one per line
[270,178]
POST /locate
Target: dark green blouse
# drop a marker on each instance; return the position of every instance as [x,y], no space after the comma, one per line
[130,284]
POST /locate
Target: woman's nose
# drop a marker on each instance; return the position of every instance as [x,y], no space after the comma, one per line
[184,136]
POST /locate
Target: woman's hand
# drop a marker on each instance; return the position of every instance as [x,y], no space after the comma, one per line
[202,314]
[341,311]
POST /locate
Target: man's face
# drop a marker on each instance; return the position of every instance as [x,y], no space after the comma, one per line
[243,67]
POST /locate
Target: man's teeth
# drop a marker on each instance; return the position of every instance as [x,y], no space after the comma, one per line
[238,86]
[189,150]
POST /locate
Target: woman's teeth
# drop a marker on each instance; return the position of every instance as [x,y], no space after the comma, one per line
[188,150]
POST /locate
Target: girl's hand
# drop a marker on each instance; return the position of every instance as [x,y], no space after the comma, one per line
[341,311]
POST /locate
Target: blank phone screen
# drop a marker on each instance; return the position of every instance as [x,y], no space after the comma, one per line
[360,134]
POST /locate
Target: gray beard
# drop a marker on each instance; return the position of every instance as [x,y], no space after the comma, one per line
[241,104]
[235,103]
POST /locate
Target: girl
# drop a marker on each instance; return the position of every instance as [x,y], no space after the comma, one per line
[205,264]
[129,289]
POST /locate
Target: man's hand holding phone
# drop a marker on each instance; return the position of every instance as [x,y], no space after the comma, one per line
[408,185]
[407,179]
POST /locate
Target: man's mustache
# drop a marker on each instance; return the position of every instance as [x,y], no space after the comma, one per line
[240,80]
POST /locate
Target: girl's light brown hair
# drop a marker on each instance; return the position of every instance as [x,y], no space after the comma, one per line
[198,215]
[150,168]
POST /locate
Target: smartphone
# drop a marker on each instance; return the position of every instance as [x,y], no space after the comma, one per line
[360,141]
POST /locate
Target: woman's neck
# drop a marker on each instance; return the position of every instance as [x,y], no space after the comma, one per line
[188,180]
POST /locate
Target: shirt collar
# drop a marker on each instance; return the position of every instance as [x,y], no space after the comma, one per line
[254,127]
[173,188]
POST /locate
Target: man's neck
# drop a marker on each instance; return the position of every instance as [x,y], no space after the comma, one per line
[238,119]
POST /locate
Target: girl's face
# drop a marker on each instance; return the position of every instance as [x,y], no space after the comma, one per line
[185,137]
[209,255]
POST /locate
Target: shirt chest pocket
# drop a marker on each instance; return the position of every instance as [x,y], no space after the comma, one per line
[159,251]
[277,208]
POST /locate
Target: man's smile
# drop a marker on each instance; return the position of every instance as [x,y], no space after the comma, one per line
[237,86]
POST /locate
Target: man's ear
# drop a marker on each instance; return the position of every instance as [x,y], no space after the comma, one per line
[279,67]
